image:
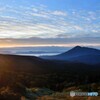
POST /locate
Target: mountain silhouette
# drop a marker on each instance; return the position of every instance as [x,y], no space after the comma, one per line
[78,54]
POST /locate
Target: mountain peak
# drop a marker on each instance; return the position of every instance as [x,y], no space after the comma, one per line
[77,47]
[78,50]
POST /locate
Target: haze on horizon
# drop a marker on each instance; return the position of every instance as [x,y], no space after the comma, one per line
[49,23]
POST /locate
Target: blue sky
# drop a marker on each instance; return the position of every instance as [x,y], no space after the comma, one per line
[38,22]
[56,4]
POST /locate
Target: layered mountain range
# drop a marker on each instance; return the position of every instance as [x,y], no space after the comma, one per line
[78,58]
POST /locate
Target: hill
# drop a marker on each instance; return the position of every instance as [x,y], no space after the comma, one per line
[21,63]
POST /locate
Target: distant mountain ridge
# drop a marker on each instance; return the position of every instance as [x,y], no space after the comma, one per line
[78,58]
[78,54]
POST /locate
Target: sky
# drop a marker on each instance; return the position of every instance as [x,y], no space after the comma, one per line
[49,23]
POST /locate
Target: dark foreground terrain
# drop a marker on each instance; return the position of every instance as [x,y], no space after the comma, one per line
[33,78]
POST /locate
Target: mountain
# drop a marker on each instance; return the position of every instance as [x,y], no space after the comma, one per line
[78,54]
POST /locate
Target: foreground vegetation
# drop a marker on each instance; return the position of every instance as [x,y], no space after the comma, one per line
[51,86]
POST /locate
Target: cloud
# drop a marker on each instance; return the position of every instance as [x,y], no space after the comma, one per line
[78,27]
[59,13]
[40,21]
[59,41]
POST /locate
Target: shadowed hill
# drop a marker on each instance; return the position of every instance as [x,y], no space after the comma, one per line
[38,66]
[21,63]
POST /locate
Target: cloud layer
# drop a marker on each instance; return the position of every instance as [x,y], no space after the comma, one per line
[66,42]
[41,22]
[38,24]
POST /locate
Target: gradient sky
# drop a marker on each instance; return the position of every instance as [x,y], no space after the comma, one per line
[49,22]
